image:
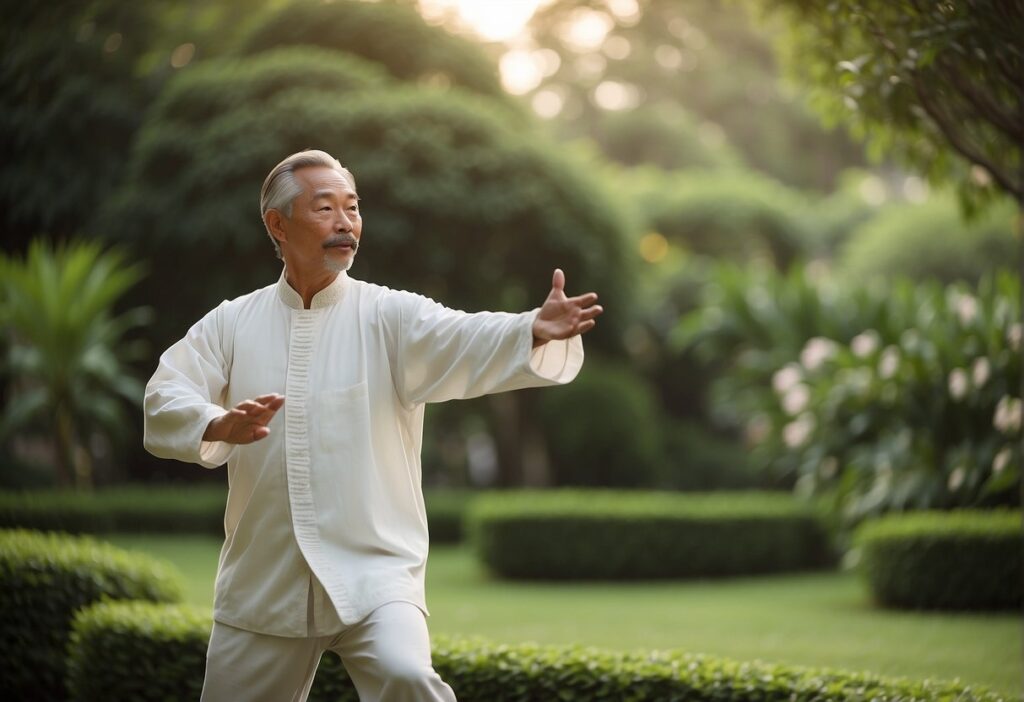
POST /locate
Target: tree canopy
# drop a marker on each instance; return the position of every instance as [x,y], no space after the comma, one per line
[936,83]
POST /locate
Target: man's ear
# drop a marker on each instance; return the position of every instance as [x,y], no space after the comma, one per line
[272,220]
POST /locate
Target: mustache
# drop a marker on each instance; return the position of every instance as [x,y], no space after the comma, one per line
[342,240]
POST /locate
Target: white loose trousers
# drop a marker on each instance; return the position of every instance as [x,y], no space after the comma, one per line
[387,656]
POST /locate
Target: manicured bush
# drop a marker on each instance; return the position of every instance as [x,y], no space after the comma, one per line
[446,509]
[172,510]
[630,535]
[44,580]
[112,641]
[944,560]
[137,509]
[617,445]
[168,644]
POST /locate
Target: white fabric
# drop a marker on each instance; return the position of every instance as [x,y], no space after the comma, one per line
[334,491]
[387,656]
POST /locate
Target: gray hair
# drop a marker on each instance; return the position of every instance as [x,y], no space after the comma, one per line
[281,188]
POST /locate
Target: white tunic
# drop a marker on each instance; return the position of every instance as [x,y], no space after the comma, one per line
[335,489]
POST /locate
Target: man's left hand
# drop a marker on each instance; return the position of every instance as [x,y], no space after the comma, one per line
[564,317]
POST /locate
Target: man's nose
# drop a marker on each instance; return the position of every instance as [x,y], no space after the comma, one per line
[343,223]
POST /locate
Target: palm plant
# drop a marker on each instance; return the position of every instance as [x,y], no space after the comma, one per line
[65,349]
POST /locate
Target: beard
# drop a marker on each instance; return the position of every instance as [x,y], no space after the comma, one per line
[337,266]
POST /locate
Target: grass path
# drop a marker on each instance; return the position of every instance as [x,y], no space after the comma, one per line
[823,620]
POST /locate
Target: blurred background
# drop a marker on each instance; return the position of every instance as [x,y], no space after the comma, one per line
[803,222]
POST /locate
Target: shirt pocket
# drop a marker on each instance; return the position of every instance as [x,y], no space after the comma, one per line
[340,425]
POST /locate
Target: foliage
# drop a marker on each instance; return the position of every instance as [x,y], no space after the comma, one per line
[45,579]
[706,57]
[67,348]
[446,510]
[930,241]
[937,84]
[890,397]
[636,535]
[443,177]
[174,510]
[617,445]
[391,34]
[112,641]
[70,97]
[947,560]
[736,215]
[663,135]
[168,643]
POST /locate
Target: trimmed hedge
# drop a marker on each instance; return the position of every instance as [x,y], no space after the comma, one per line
[112,644]
[965,560]
[191,510]
[44,580]
[599,534]
[173,510]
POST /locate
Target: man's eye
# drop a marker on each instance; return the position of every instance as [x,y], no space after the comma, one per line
[325,208]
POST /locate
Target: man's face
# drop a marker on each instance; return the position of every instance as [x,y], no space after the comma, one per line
[323,232]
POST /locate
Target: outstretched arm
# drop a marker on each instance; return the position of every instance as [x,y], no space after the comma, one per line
[564,317]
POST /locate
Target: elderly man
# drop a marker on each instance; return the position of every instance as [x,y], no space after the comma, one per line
[326,533]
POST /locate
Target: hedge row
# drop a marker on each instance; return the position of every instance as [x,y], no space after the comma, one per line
[113,642]
[599,534]
[944,560]
[150,509]
[44,580]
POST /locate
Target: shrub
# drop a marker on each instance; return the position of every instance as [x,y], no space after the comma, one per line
[45,579]
[944,560]
[603,429]
[931,241]
[630,535]
[173,510]
[168,644]
[884,397]
[446,509]
[112,641]
[389,34]
[188,510]
[733,214]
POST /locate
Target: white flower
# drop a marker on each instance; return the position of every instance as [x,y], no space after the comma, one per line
[796,433]
[1013,335]
[795,401]
[966,308]
[1001,460]
[865,343]
[816,351]
[1008,415]
[785,378]
[958,383]
[981,370]
[889,363]
[956,478]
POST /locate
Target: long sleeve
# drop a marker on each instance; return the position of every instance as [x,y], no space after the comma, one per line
[442,354]
[186,392]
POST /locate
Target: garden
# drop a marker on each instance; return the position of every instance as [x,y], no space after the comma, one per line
[790,467]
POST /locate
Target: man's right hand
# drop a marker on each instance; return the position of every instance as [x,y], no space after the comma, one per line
[247,422]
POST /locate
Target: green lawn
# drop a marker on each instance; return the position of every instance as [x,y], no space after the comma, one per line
[812,619]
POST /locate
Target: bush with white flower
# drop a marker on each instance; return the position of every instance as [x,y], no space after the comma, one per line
[897,397]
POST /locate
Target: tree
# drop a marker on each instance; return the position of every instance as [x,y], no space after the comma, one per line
[388,33]
[704,56]
[66,350]
[936,83]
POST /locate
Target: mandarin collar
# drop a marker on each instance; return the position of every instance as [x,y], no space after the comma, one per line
[327,297]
